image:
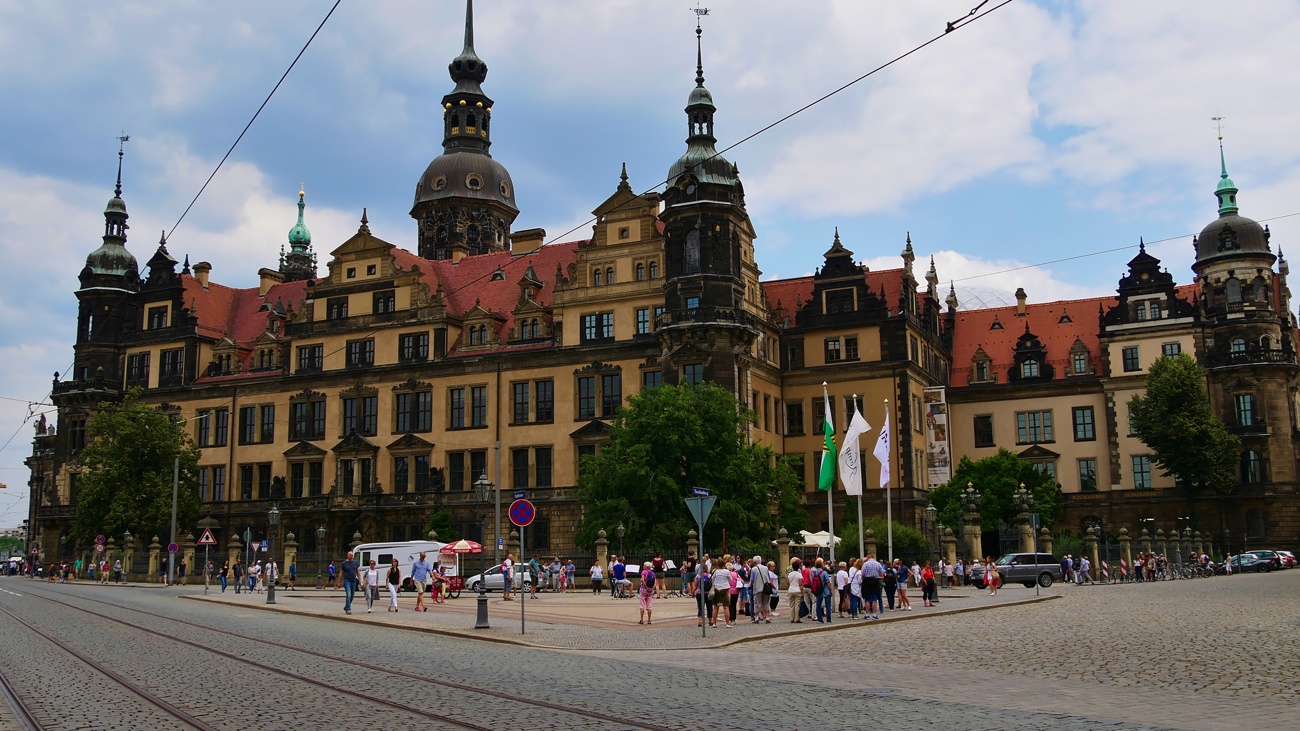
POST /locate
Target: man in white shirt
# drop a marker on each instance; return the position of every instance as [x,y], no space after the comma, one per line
[507,576]
[795,593]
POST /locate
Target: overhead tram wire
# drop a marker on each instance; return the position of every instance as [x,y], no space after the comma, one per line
[948,30]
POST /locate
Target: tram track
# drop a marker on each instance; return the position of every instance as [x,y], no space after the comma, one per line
[351,664]
[18,706]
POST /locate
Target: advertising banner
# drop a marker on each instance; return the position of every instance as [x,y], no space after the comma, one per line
[938,449]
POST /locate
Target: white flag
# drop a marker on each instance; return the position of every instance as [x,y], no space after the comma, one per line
[881,452]
[851,455]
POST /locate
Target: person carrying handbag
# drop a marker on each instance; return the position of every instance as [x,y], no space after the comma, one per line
[370,585]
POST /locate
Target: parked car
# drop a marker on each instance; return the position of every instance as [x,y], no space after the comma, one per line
[1288,559]
[1022,568]
[1270,556]
[493,581]
[1248,562]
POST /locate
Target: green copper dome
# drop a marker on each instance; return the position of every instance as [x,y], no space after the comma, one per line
[299,236]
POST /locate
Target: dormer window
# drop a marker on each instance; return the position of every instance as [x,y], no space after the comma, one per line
[1029,369]
[997,324]
[1155,311]
[1140,312]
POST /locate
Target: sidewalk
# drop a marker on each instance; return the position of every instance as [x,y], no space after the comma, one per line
[582,621]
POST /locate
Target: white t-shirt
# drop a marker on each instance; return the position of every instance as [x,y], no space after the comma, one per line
[842,579]
[597,572]
[795,579]
[505,567]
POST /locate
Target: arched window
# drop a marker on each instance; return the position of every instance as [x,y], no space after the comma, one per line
[1259,290]
[609,275]
[1266,343]
[1155,311]
[1233,290]
[1238,345]
[1140,311]
[1029,369]
[596,275]
[1252,467]
[640,272]
[654,270]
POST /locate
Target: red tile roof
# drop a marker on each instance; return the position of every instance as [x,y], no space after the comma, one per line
[791,294]
[975,329]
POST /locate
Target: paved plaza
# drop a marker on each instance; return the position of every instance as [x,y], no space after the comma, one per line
[1210,654]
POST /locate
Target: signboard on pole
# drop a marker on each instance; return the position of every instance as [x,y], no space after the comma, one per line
[700,491]
[99,548]
[520,495]
[522,513]
[171,548]
[700,508]
[99,539]
[207,539]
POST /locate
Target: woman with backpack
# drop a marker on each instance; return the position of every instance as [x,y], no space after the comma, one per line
[891,585]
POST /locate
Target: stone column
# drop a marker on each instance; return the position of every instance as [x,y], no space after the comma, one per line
[950,546]
[974,536]
[1187,542]
[356,540]
[1090,540]
[433,535]
[870,540]
[1161,543]
[1044,540]
[1198,544]
[782,552]
[512,545]
[155,549]
[602,548]
[1126,554]
[234,548]
[1025,533]
[1144,541]
[290,554]
[128,558]
[190,566]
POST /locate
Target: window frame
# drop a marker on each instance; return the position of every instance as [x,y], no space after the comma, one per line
[1085,429]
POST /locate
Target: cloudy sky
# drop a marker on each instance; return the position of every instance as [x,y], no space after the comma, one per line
[1044,131]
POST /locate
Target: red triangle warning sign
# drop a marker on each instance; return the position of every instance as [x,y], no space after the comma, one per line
[207,539]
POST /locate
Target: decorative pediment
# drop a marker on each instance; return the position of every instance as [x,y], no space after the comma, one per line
[306,395]
[410,443]
[592,431]
[358,390]
[411,384]
[1038,453]
[1242,384]
[304,450]
[651,361]
[354,442]
[598,367]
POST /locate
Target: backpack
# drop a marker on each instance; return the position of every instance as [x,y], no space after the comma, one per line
[891,577]
[650,580]
[817,581]
[707,583]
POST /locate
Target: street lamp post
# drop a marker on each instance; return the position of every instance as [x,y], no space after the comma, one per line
[126,546]
[273,517]
[482,494]
[621,532]
[1025,503]
[320,560]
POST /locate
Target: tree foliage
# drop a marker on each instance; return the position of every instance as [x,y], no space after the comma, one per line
[909,543]
[672,438]
[441,522]
[127,484]
[997,478]
[1174,419]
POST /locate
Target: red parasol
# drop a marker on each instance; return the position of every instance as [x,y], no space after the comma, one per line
[462,546]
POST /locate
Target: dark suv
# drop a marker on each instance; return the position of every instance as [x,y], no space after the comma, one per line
[1022,568]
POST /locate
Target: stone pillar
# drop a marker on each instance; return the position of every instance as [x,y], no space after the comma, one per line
[234,548]
[110,553]
[128,558]
[290,554]
[950,546]
[1198,544]
[602,548]
[692,543]
[974,536]
[1126,553]
[1025,533]
[870,540]
[190,566]
[1144,541]
[356,540]
[512,545]
[782,552]
[1161,543]
[1090,541]
[433,535]
[155,549]
[1186,542]
[1044,540]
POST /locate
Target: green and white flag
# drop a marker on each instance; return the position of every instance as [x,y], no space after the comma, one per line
[827,477]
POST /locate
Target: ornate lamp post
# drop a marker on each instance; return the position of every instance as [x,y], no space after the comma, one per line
[127,545]
[482,494]
[1025,503]
[272,517]
[930,514]
[320,561]
[621,531]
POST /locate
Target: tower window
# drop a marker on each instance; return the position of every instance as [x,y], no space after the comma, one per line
[473,181]
[654,270]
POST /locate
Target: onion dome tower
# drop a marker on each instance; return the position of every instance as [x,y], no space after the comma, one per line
[465,200]
[300,262]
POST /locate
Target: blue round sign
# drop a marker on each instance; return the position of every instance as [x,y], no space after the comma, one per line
[522,513]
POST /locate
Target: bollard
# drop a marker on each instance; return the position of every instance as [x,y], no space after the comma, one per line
[1105,572]
[1123,570]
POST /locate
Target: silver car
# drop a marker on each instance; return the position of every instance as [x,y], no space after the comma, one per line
[523,579]
[1022,568]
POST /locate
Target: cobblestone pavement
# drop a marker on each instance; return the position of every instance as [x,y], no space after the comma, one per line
[886,675]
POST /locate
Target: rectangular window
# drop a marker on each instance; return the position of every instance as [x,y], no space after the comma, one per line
[413,347]
[1033,427]
[519,402]
[137,369]
[203,484]
[851,347]
[297,478]
[1171,349]
[219,483]
[173,367]
[361,353]
[1132,428]
[1141,472]
[422,478]
[456,471]
[478,405]
[642,320]
[519,461]
[692,303]
[984,430]
[401,474]
[385,301]
[1080,363]
[311,358]
[651,379]
[351,408]
[478,464]
[221,432]
[1084,424]
[849,403]
[317,420]
[1048,468]
[246,482]
[1132,362]
[264,482]
[403,406]
[203,434]
[315,478]
[306,420]
[336,308]
[611,393]
[1088,475]
[833,350]
[456,408]
[247,424]
[157,318]
[585,451]
[1245,410]
[545,392]
[424,411]
[267,435]
[693,373]
[586,397]
[794,418]
[542,466]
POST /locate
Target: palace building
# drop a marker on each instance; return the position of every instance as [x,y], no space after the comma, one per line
[365,395]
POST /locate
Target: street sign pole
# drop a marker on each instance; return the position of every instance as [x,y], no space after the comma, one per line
[700,505]
[521,513]
[522,594]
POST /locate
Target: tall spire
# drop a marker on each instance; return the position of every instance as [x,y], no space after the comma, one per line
[121,144]
[299,263]
[1226,191]
[699,51]
[701,159]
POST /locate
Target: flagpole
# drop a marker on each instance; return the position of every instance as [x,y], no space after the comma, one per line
[862,529]
[889,505]
[830,493]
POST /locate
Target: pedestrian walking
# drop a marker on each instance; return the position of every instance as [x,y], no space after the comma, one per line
[180,571]
[507,576]
[331,576]
[224,575]
[394,580]
[891,585]
[238,572]
[991,576]
[270,573]
[421,572]
[855,589]
[370,585]
[795,590]
[646,594]
[657,565]
[764,584]
[1085,570]
[688,574]
[948,574]
[570,572]
[873,575]
[293,575]
[597,573]
[903,602]
[842,588]
[821,589]
[349,574]
[929,585]
[961,573]
[720,578]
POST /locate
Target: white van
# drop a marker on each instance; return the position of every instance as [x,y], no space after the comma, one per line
[406,553]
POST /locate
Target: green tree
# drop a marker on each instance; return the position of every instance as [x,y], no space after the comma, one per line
[12,544]
[672,438]
[997,478]
[1175,421]
[909,544]
[441,522]
[127,484]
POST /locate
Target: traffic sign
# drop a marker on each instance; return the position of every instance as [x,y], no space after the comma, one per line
[700,508]
[520,495]
[99,538]
[207,539]
[266,545]
[99,548]
[700,491]
[171,548]
[501,542]
[522,513]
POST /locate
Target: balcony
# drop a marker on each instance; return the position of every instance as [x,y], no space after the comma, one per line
[356,322]
[705,315]
[1257,426]
[1252,357]
[87,385]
